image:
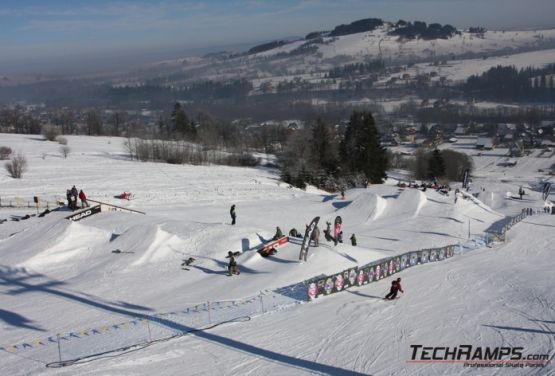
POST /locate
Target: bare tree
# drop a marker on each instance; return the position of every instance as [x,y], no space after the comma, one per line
[5,152]
[17,166]
[65,150]
[51,132]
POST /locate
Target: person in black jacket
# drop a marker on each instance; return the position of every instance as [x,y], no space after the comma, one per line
[233,214]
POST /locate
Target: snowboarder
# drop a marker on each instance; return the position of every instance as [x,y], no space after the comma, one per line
[395,287]
[187,262]
[316,236]
[278,234]
[83,198]
[232,267]
[327,233]
[233,214]
[353,240]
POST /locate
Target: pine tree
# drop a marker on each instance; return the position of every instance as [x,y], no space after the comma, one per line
[323,151]
[361,151]
[180,122]
[436,165]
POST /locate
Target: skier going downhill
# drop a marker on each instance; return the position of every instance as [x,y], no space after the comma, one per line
[395,287]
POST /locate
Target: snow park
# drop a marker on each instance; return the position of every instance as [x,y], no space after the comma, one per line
[260,188]
[110,291]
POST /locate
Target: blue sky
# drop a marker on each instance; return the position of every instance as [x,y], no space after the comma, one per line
[35,31]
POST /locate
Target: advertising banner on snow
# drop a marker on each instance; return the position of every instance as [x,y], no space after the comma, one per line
[84,214]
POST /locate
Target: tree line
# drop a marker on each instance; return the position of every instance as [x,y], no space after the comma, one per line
[512,84]
[332,158]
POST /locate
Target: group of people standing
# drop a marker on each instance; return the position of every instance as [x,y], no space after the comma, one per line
[72,195]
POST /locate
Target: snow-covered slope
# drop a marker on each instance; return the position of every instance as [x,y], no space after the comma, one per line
[379,43]
[57,276]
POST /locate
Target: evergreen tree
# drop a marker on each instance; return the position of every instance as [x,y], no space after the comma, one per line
[181,123]
[361,151]
[323,151]
[436,165]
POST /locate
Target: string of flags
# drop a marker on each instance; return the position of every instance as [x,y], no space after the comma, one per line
[130,324]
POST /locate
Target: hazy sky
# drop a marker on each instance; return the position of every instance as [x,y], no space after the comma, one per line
[37,34]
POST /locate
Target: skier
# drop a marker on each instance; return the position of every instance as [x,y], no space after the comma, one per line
[83,198]
[232,267]
[315,236]
[278,234]
[342,194]
[353,240]
[395,287]
[232,213]
[456,194]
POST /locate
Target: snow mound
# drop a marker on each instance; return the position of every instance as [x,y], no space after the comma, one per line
[73,242]
[364,206]
[408,203]
[148,242]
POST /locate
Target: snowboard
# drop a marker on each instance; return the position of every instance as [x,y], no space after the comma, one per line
[306,240]
[337,229]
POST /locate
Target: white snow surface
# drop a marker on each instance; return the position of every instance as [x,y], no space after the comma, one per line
[57,276]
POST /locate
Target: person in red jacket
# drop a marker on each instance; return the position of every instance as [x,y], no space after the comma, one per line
[395,287]
[83,198]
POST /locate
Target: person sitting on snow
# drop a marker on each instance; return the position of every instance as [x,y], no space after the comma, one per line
[278,234]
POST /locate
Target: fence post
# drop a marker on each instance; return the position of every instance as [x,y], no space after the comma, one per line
[261,302]
[209,317]
[59,347]
[148,328]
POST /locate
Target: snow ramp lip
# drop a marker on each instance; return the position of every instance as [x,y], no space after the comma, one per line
[363,207]
[409,202]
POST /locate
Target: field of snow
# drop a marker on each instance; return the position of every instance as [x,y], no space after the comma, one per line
[57,276]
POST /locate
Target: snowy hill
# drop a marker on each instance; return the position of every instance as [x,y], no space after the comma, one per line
[57,276]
